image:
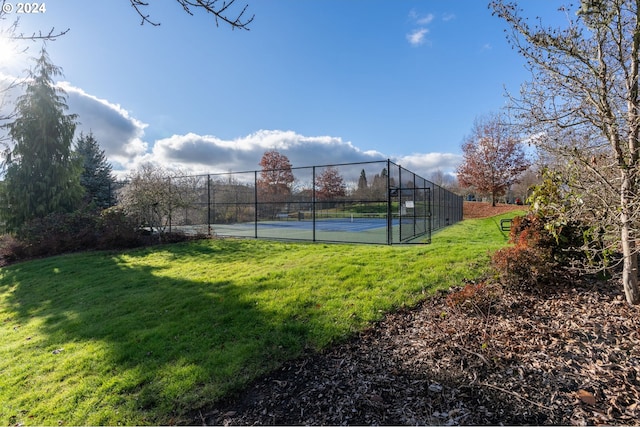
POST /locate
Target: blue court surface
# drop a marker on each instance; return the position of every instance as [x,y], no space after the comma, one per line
[356,230]
[341,224]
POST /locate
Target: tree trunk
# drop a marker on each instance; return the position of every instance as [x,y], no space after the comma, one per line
[630,256]
[630,269]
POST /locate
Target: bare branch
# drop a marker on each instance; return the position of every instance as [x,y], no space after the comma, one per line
[50,36]
[585,86]
[12,31]
[219,10]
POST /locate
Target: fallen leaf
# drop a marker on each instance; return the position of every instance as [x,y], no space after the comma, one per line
[587,397]
[435,388]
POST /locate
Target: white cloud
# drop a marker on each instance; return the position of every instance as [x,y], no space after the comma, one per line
[417,37]
[120,135]
[448,17]
[211,154]
[419,19]
[424,20]
[486,47]
[425,164]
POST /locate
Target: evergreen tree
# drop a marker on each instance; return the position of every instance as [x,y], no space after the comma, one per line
[96,177]
[42,176]
[379,185]
[362,182]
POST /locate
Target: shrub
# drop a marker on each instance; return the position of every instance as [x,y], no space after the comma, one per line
[82,230]
[59,232]
[530,261]
[117,230]
[521,266]
[11,249]
[544,250]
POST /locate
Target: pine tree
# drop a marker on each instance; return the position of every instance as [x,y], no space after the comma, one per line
[96,177]
[42,176]
[362,181]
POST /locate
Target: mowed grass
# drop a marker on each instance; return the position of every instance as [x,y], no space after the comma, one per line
[149,336]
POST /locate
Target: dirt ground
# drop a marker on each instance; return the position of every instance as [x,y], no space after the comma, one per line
[571,357]
[567,355]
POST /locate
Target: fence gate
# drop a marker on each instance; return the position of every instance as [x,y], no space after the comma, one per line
[410,204]
[412,212]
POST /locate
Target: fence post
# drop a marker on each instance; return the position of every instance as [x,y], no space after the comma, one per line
[313,203]
[209,205]
[430,212]
[400,218]
[389,207]
[170,203]
[255,203]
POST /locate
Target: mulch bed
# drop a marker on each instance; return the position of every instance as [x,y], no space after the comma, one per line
[473,210]
[476,356]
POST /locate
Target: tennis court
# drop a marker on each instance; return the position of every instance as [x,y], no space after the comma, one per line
[371,202]
[348,223]
[324,230]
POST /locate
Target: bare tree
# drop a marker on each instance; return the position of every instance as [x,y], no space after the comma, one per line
[442,179]
[585,81]
[522,189]
[221,11]
[153,193]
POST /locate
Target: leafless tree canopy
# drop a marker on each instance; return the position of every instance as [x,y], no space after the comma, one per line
[583,105]
[224,11]
[12,31]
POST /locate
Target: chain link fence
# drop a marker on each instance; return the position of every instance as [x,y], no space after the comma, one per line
[373,202]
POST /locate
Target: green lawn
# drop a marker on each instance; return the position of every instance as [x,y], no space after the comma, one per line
[145,336]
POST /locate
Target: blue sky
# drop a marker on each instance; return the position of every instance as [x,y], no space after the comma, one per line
[322,81]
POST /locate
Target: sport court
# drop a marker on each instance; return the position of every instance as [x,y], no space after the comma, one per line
[375,202]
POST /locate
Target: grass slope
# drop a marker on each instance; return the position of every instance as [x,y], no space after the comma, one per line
[145,336]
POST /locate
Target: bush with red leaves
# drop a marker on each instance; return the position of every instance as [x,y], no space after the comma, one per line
[530,261]
[537,257]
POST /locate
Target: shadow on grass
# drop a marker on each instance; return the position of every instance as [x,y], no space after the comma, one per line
[172,344]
